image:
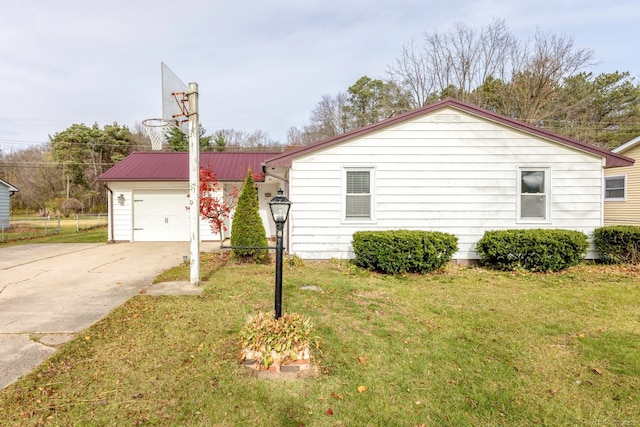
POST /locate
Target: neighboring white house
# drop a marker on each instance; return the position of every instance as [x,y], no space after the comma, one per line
[148,193]
[449,167]
[6,191]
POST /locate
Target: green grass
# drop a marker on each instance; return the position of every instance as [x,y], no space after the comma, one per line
[93,235]
[465,347]
[32,229]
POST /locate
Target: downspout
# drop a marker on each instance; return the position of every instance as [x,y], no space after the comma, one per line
[110,212]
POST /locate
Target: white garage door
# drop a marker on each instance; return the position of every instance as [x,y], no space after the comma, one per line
[160,216]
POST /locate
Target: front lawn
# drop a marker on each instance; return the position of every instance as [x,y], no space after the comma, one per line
[466,347]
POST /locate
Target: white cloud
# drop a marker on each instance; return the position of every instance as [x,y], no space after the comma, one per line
[259,65]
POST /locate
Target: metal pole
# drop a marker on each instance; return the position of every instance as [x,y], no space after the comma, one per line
[194,184]
[279,249]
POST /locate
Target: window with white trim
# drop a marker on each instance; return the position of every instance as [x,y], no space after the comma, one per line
[358,194]
[533,194]
[615,188]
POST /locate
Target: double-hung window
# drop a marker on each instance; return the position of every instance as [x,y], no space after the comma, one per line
[533,194]
[615,188]
[358,194]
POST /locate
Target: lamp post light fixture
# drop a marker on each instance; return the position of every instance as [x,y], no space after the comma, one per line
[279,206]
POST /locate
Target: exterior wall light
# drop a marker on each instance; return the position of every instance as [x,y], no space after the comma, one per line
[121,199]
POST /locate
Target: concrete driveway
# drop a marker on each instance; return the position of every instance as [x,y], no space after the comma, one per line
[50,292]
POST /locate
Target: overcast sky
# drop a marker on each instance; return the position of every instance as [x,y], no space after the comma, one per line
[260,65]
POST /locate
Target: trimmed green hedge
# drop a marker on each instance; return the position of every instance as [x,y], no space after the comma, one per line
[403,251]
[618,244]
[533,250]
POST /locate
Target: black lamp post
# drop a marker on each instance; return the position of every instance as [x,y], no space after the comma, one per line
[279,206]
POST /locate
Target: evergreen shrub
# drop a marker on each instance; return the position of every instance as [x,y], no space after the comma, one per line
[247,228]
[533,249]
[403,251]
[618,244]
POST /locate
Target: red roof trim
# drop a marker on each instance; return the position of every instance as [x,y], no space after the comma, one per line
[612,159]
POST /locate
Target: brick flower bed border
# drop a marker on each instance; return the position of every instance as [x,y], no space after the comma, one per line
[300,368]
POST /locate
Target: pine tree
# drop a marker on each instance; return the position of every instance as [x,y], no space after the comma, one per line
[247,228]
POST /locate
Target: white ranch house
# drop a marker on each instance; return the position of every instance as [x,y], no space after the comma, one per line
[449,167]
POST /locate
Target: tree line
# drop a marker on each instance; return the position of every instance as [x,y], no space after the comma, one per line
[69,165]
[543,81]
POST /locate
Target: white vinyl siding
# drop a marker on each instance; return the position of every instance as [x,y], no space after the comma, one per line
[358,195]
[615,188]
[445,171]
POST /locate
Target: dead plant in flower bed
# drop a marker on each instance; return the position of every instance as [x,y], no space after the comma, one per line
[270,341]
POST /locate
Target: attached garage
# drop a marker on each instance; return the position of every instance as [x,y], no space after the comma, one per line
[148,193]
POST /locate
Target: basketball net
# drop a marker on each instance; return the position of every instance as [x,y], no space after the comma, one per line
[155,130]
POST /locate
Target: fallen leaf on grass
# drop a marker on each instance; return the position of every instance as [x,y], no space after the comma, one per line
[329,411]
[362,360]
[362,389]
[337,396]
[597,371]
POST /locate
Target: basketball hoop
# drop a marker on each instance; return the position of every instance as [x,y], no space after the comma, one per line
[175,109]
[155,130]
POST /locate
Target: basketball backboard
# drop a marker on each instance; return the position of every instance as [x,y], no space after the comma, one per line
[175,102]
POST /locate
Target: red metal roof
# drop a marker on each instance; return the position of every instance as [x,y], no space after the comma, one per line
[612,159]
[171,166]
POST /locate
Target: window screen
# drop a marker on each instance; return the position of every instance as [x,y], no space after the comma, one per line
[358,196]
[614,187]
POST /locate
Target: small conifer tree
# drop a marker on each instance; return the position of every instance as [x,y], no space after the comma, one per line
[247,228]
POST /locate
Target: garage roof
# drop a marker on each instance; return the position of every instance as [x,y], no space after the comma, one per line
[171,166]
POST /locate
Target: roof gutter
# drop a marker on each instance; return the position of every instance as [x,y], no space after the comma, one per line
[110,212]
